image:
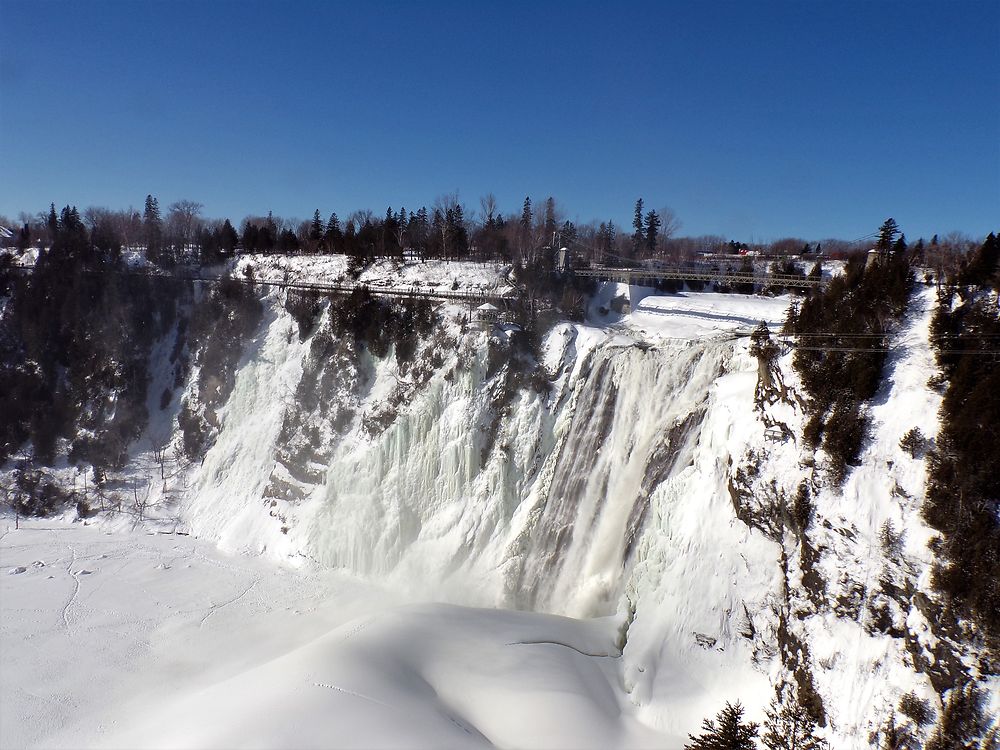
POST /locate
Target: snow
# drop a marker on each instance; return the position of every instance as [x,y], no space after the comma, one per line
[685,315]
[431,275]
[174,644]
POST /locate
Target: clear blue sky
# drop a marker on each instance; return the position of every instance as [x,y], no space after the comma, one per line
[755,120]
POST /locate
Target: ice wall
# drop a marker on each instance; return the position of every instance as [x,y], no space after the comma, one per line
[540,503]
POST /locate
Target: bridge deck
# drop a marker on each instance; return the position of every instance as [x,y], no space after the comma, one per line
[631,275]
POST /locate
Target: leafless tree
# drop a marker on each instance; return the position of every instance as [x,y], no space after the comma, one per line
[160,456]
[361,217]
[670,224]
[489,205]
[140,497]
[182,219]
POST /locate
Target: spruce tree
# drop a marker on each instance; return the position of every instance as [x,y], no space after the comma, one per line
[228,239]
[653,224]
[460,237]
[638,234]
[316,229]
[567,235]
[886,234]
[52,223]
[24,238]
[526,217]
[333,237]
[726,732]
[550,218]
[964,723]
[790,728]
[152,227]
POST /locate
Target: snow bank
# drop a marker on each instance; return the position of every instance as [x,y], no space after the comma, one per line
[431,275]
[176,645]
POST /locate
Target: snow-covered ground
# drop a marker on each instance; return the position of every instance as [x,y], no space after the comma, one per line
[690,316]
[134,640]
[431,275]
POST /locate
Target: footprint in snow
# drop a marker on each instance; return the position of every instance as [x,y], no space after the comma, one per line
[16,571]
[83,572]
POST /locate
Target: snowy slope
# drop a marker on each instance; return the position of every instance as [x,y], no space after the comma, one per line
[173,644]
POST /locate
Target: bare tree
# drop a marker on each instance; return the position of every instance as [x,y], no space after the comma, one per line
[361,217]
[160,456]
[182,219]
[140,498]
[489,205]
[670,224]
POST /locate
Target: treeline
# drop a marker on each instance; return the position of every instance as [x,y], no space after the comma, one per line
[841,348]
[75,338]
[448,229]
[963,493]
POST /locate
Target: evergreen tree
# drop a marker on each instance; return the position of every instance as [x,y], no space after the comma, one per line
[228,239]
[53,223]
[526,217]
[269,234]
[459,234]
[790,728]
[419,230]
[964,724]
[567,235]
[550,218]
[726,732]
[316,230]
[638,234]
[333,237]
[288,243]
[983,264]
[653,224]
[152,227]
[438,241]
[24,238]
[886,234]
[894,737]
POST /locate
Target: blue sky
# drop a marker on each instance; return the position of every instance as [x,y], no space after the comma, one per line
[751,120]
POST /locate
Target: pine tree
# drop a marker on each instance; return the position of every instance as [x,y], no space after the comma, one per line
[24,238]
[550,218]
[726,732]
[886,234]
[460,236]
[52,223]
[228,239]
[963,722]
[526,217]
[567,234]
[638,235]
[790,728]
[152,227]
[333,237]
[316,229]
[895,737]
[653,224]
